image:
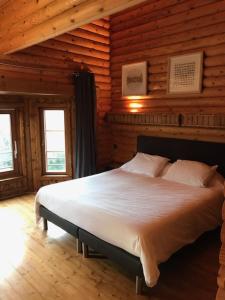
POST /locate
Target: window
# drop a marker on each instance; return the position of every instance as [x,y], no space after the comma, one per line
[8,144]
[54,141]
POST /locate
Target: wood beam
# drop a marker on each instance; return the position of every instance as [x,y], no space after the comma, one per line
[3,3]
[77,16]
[13,10]
[37,17]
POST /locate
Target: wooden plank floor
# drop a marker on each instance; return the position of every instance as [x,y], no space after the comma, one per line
[37,265]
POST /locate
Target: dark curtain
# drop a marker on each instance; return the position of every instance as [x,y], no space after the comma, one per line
[85,140]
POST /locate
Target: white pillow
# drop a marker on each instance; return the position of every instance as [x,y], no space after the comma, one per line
[146,164]
[190,172]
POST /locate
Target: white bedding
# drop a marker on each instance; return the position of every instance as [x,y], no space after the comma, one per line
[148,217]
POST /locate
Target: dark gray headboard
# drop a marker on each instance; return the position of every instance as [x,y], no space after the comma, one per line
[208,152]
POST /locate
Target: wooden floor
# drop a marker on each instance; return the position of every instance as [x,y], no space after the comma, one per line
[36,265]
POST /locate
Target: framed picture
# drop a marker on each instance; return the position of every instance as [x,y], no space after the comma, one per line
[134,79]
[185,74]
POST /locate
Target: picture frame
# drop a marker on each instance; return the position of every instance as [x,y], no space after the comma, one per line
[185,73]
[134,79]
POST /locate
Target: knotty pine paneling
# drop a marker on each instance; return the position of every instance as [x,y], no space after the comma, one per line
[35,105]
[152,32]
[31,176]
[23,183]
[47,68]
[221,273]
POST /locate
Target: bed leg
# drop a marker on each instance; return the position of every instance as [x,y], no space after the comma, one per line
[45,224]
[139,285]
[85,250]
[78,246]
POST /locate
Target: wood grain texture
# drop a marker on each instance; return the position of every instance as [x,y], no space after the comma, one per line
[156,119]
[49,21]
[36,105]
[45,265]
[47,69]
[155,35]
[31,176]
[153,32]
[221,273]
[125,137]
[196,120]
[220,294]
[21,183]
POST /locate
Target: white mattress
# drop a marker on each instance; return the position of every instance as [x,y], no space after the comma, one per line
[148,217]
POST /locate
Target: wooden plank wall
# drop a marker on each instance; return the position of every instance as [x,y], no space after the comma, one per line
[30,176]
[47,69]
[221,276]
[154,31]
[17,186]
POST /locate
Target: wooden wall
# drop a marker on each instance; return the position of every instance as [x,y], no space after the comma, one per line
[30,176]
[19,185]
[46,69]
[43,73]
[221,275]
[152,32]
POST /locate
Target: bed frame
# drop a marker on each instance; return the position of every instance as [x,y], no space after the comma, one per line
[208,152]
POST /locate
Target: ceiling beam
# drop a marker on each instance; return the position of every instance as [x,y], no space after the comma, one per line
[3,2]
[66,20]
[37,17]
[15,10]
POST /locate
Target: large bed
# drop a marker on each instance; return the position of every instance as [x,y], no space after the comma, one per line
[137,220]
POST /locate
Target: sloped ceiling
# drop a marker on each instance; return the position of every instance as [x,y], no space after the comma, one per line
[24,23]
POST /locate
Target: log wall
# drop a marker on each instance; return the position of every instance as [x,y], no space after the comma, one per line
[21,184]
[30,176]
[221,276]
[30,22]
[46,70]
[152,32]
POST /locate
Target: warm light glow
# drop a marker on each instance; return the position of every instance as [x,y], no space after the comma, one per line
[137,97]
[135,105]
[134,97]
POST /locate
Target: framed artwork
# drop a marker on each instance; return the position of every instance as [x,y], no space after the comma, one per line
[185,74]
[134,79]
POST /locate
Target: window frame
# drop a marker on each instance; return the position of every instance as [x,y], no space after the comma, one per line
[15,145]
[43,148]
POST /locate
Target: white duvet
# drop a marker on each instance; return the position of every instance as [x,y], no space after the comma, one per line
[148,217]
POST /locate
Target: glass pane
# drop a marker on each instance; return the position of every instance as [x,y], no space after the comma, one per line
[6,162]
[54,120]
[6,151]
[56,161]
[54,141]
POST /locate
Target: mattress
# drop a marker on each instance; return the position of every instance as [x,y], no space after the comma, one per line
[150,218]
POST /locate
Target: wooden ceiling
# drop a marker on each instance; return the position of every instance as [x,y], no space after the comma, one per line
[24,23]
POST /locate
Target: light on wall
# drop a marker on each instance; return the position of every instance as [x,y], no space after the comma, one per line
[135,97]
[134,107]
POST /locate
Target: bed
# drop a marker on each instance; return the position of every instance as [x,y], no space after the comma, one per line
[137,221]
